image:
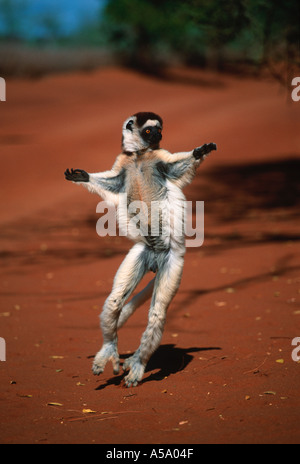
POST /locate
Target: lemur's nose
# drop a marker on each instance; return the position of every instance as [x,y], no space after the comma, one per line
[157,131]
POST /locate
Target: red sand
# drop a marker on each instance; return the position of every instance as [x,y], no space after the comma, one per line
[224,372]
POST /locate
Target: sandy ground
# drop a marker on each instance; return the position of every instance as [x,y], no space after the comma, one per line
[224,371]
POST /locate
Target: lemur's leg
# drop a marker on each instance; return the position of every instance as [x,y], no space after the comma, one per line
[127,278]
[166,285]
[135,303]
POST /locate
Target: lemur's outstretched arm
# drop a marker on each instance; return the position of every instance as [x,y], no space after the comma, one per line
[180,168]
[106,184]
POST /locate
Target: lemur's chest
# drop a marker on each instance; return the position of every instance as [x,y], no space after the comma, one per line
[141,184]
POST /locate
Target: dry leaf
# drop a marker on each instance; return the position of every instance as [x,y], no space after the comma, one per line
[88,411]
[183,422]
[56,357]
[230,290]
[220,304]
[280,361]
[270,393]
[247,397]
[54,404]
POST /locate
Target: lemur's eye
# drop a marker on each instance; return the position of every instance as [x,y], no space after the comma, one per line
[148,131]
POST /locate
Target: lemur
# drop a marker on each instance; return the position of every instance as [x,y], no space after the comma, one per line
[143,172]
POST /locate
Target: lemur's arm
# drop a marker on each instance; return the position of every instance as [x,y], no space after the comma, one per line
[180,168]
[107,184]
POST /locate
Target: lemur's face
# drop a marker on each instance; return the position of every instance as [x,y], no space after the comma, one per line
[142,131]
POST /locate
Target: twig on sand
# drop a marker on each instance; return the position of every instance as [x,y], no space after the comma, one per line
[256,368]
[93,416]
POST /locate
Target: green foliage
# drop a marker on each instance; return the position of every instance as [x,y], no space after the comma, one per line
[142,30]
[146,32]
[11,12]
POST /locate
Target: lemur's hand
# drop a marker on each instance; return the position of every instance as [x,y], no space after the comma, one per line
[77,175]
[202,152]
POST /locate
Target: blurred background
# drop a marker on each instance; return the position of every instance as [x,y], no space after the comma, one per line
[256,36]
[216,71]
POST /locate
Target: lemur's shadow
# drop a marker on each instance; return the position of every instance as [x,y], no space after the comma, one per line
[168,358]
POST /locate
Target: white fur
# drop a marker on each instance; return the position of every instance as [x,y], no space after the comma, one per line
[164,253]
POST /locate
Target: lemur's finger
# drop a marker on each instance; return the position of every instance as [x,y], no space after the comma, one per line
[68,175]
[212,146]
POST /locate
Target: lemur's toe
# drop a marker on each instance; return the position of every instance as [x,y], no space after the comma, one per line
[97,369]
[135,375]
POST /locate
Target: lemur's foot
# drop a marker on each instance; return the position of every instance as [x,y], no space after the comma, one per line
[202,152]
[77,175]
[136,372]
[107,353]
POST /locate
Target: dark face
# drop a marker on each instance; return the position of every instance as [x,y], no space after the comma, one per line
[152,135]
[141,132]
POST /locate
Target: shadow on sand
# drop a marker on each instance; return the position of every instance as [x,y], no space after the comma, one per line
[169,359]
